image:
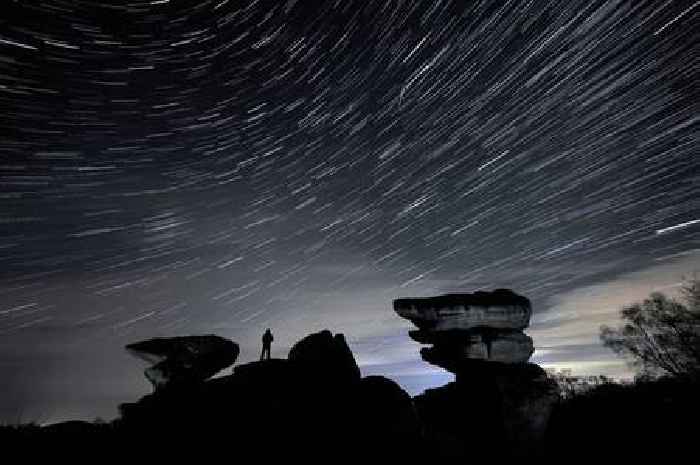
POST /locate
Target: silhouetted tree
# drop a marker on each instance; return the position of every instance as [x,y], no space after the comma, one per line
[660,335]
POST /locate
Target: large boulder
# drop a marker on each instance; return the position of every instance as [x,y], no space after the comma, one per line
[326,355]
[184,359]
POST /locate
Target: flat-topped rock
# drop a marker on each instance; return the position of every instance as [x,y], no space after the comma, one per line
[500,309]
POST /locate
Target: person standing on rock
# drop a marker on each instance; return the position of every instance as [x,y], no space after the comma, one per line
[267,339]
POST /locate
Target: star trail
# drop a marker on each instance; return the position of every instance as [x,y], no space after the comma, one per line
[180,167]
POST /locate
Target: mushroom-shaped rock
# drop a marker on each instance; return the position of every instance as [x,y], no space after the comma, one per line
[184,359]
[479,337]
[464,327]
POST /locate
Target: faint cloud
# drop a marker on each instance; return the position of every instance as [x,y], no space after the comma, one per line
[566,332]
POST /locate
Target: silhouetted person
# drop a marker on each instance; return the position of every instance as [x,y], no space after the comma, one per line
[267,343]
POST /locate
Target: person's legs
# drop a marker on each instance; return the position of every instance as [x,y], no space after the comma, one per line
[262,354]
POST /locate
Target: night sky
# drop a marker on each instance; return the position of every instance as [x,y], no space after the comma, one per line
[187,167]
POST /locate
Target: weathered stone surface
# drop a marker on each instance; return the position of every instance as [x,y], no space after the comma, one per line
[500,309]
[184,359]
[513,347]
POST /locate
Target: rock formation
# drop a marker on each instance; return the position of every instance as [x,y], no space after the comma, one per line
[498,401]
[185,359]
[313,407]
[463,327]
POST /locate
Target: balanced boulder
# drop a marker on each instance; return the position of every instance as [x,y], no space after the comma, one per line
[184,359]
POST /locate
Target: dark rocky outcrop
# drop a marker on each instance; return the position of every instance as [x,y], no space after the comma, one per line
[313,405]
[327,355]
[184,359]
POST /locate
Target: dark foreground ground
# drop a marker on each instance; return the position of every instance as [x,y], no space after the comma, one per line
[321,410]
